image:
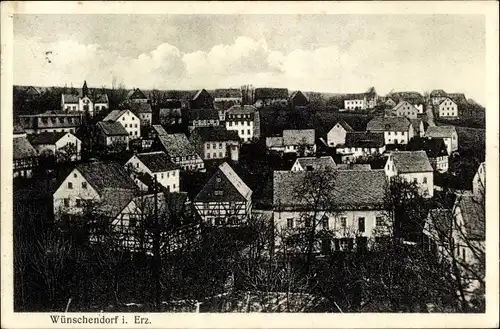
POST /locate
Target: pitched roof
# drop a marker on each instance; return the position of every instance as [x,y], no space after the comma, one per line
[112,128]
[274,141]
[440,131]
[105,175]
[298,136]
[202,114]
[473,214]
[227,93]
[114,115]
[298,93]
[445,99]
[136,94]
[75,98]
[388,124]
[357,96]
[271,93]
[30,90]
[245,109]
[224,179]
[438,93]
[433,147]
[412,97]
[317,163]
[354,166]
[48,138]
[458,98]
[18,128]
[404,106]
[114,200]
[177,145]
[352,188]
[180,94]
[159,130]
[156,161]
[416,123]
[214,134]
[411,161]
[344,125]
[101,98]
[171,203]
[440,221]
[71,99]
[364,139]
[22,149]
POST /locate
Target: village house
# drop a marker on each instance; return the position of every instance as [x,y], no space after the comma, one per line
[437,96]
[51,121]
[191,99]
[397,130]
[149,134]
[389,102]
[216,143]
[225,200]
[314,163]
[405,109]
[24,156]
[298,99]
[64,145]
[418,127]
[357,218]
[336,135]
[457,235]
[268,96]
[168,113]
[227,95]
[179,150]
[128,120]
[414,98]
[143,110]
[412,166]
[300,141]
[435,149]
[245,120]
[479,182]
[202,118]
[32,93]
[158,166]
[137,96]
[112,136]
[83,101]
[362,143]
[175,210]
[92,185]
[363,101]
[447,109]
[447,133]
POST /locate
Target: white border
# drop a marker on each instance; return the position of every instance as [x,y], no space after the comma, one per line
[176,320]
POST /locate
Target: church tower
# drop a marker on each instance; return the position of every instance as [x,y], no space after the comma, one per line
[85,89]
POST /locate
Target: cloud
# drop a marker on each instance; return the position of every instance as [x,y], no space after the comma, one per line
[329,68]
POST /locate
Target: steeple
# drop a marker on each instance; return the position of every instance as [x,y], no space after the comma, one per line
[85,89]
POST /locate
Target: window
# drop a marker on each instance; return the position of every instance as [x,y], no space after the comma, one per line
[208,146]
[70,185]
[230,124]
[208,155]
[343,222]
[243,132]
[361,224]
[414,180]
[215,155]
[66,202]
[133,119]
[217,179]
[218,192]
[137,165]
[324,221]
[75,175]
[289,222]
[379,221]
[214,146]
[135,125]
[173,186]
[248,131]
[173,173]
[424,180]
[220,145]
[126,125]
[161,175]
[84,185]
[132,222]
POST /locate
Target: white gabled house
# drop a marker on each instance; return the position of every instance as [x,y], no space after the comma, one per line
[412,166]
[447,133]
[157,165]
[314,163]
[397,130]
[337,134]
[60,144]
[128,120]
[97,184]
[447,108]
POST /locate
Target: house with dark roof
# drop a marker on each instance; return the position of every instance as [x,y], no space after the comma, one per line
[84,101]
[298,99]
[94,185]
[227,95]
[458,235]
[336,135]
[447,133]
[158,166]
[143,110]
[390,102]
[405,109]
[437,96]
[314,163]
[362,143]
[51,121]
[245,120]
[412,166]
[418,127]
[202,118]
[64,145]
[179,150]
[447,108]
[168,113]
[112,136]
[179,226]
[299,141]
[32,93]
[225,200]
[137,96]
[414,98]
[435,149]
[268,96]
[357,216]
[397,130]
[24,155]
[216,143]
[128,120]
[361,101]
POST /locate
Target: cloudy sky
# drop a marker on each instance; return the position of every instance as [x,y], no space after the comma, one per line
[329,53]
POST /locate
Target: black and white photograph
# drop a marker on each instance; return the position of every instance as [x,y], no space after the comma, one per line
[202,162]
